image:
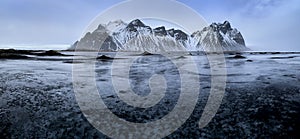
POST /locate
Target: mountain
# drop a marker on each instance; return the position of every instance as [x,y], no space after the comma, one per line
[217,37]
[136,36]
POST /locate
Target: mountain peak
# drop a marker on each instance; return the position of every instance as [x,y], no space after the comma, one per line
[115,22]
[137,22]
[226,24]
[221,36]
[161,28]
[225,27]
[101,27]
[113,25]
[160,31]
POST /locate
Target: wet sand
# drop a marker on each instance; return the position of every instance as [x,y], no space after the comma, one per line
[262,98]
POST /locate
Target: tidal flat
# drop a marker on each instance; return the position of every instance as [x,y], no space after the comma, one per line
[261,100]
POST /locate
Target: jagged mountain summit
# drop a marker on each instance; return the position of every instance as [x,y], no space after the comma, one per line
[136,36]
[217,37]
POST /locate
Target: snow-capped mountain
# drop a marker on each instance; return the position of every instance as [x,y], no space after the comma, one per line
[136,36]
[217,37]
[100,38]
[131,31]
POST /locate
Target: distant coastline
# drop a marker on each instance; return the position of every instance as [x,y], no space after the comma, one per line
[35,46]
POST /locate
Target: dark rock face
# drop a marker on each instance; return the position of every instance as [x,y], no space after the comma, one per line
[160,31]
[221,27]
[239,39]
[171,32]
[225,27]
[180,35]
[97,40]
[134,25]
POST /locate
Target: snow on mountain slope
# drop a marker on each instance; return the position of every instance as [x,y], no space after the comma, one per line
[136,36]
[115,25]
[220,37]
[132,30]
[152,43]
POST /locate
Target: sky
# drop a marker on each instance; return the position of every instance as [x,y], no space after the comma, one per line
[271,25]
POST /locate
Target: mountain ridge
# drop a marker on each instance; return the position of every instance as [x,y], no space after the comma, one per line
[137,36]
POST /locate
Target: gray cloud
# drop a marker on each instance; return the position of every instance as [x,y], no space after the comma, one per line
[276,28]
[265,24]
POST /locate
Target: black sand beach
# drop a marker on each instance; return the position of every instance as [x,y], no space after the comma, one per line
[262,98]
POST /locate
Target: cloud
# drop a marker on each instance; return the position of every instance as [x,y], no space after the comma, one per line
[265,24]
[271,25]
[261,7]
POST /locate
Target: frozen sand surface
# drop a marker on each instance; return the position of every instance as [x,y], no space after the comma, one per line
[262,98]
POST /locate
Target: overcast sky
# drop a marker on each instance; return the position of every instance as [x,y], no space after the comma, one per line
[265,24]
